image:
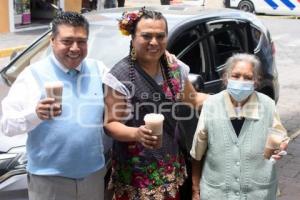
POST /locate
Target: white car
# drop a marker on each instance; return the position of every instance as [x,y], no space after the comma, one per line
[272,7]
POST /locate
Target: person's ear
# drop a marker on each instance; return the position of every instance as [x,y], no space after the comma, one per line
[132,37]
[51,40]
[255,84]
[257,81]
[225,78]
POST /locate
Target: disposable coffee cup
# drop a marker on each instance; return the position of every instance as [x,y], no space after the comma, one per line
[54,90]
[155,122]
[274,139]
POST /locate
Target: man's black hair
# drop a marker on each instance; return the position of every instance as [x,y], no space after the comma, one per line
[69,18]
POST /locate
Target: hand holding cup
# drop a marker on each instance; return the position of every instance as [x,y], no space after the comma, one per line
[51,106]
[154,122]
[276,144]
[47,109]
[144,136]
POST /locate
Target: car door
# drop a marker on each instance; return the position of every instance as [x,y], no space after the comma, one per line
[185,41]
[190,45]
[205,45]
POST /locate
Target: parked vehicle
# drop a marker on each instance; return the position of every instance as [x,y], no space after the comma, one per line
[201,38]
[272,7]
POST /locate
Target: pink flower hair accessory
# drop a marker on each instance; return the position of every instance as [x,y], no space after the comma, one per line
[129,20]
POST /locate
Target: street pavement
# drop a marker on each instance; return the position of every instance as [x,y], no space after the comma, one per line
[288,167]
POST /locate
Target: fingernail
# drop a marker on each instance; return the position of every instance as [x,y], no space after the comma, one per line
[282,153]
[276,151]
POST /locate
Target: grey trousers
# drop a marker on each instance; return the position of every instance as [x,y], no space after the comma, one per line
[60,188]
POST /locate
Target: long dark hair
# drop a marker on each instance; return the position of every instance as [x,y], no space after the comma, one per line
[149,14]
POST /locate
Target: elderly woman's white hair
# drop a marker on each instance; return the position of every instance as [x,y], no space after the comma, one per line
[245,57]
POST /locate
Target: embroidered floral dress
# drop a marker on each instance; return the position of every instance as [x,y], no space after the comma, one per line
[141,173]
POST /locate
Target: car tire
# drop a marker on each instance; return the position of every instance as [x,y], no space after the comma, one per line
[247,6]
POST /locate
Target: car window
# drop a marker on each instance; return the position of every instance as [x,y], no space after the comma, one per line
[263,50]
[190,54]
[227,39]
[191,47]
[227,43]
[256,36]
[37,51]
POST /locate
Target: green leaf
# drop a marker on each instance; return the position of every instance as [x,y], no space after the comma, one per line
[152,166]
[135,160]
[176,74]
[176,164]
[125,175]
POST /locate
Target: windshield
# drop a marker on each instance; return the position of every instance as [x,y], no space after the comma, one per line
[107,44]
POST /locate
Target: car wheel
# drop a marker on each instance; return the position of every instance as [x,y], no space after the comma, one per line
[246,5]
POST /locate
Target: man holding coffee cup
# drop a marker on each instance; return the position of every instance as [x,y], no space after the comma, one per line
[58,101]
[232,133]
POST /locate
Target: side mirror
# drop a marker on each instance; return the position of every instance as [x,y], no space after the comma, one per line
[197,81]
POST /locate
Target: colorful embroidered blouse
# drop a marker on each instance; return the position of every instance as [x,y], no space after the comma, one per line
[141,173]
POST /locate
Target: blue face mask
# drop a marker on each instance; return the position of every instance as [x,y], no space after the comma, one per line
[240,90]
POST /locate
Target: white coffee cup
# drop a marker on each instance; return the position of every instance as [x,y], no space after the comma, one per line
[154,122]
[54,89]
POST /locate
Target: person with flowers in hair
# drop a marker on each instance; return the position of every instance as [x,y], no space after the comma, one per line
[146,82]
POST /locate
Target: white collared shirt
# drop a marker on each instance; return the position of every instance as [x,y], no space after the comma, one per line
[62,67]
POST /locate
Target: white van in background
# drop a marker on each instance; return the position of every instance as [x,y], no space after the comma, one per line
[273,7]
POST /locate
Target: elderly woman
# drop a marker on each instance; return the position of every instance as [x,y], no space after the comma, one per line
[145,82]
[231,132]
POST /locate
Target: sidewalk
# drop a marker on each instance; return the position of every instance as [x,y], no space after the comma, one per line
[289,172]
[18,39]
[10,42]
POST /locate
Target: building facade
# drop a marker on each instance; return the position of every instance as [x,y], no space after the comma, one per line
[20,15]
